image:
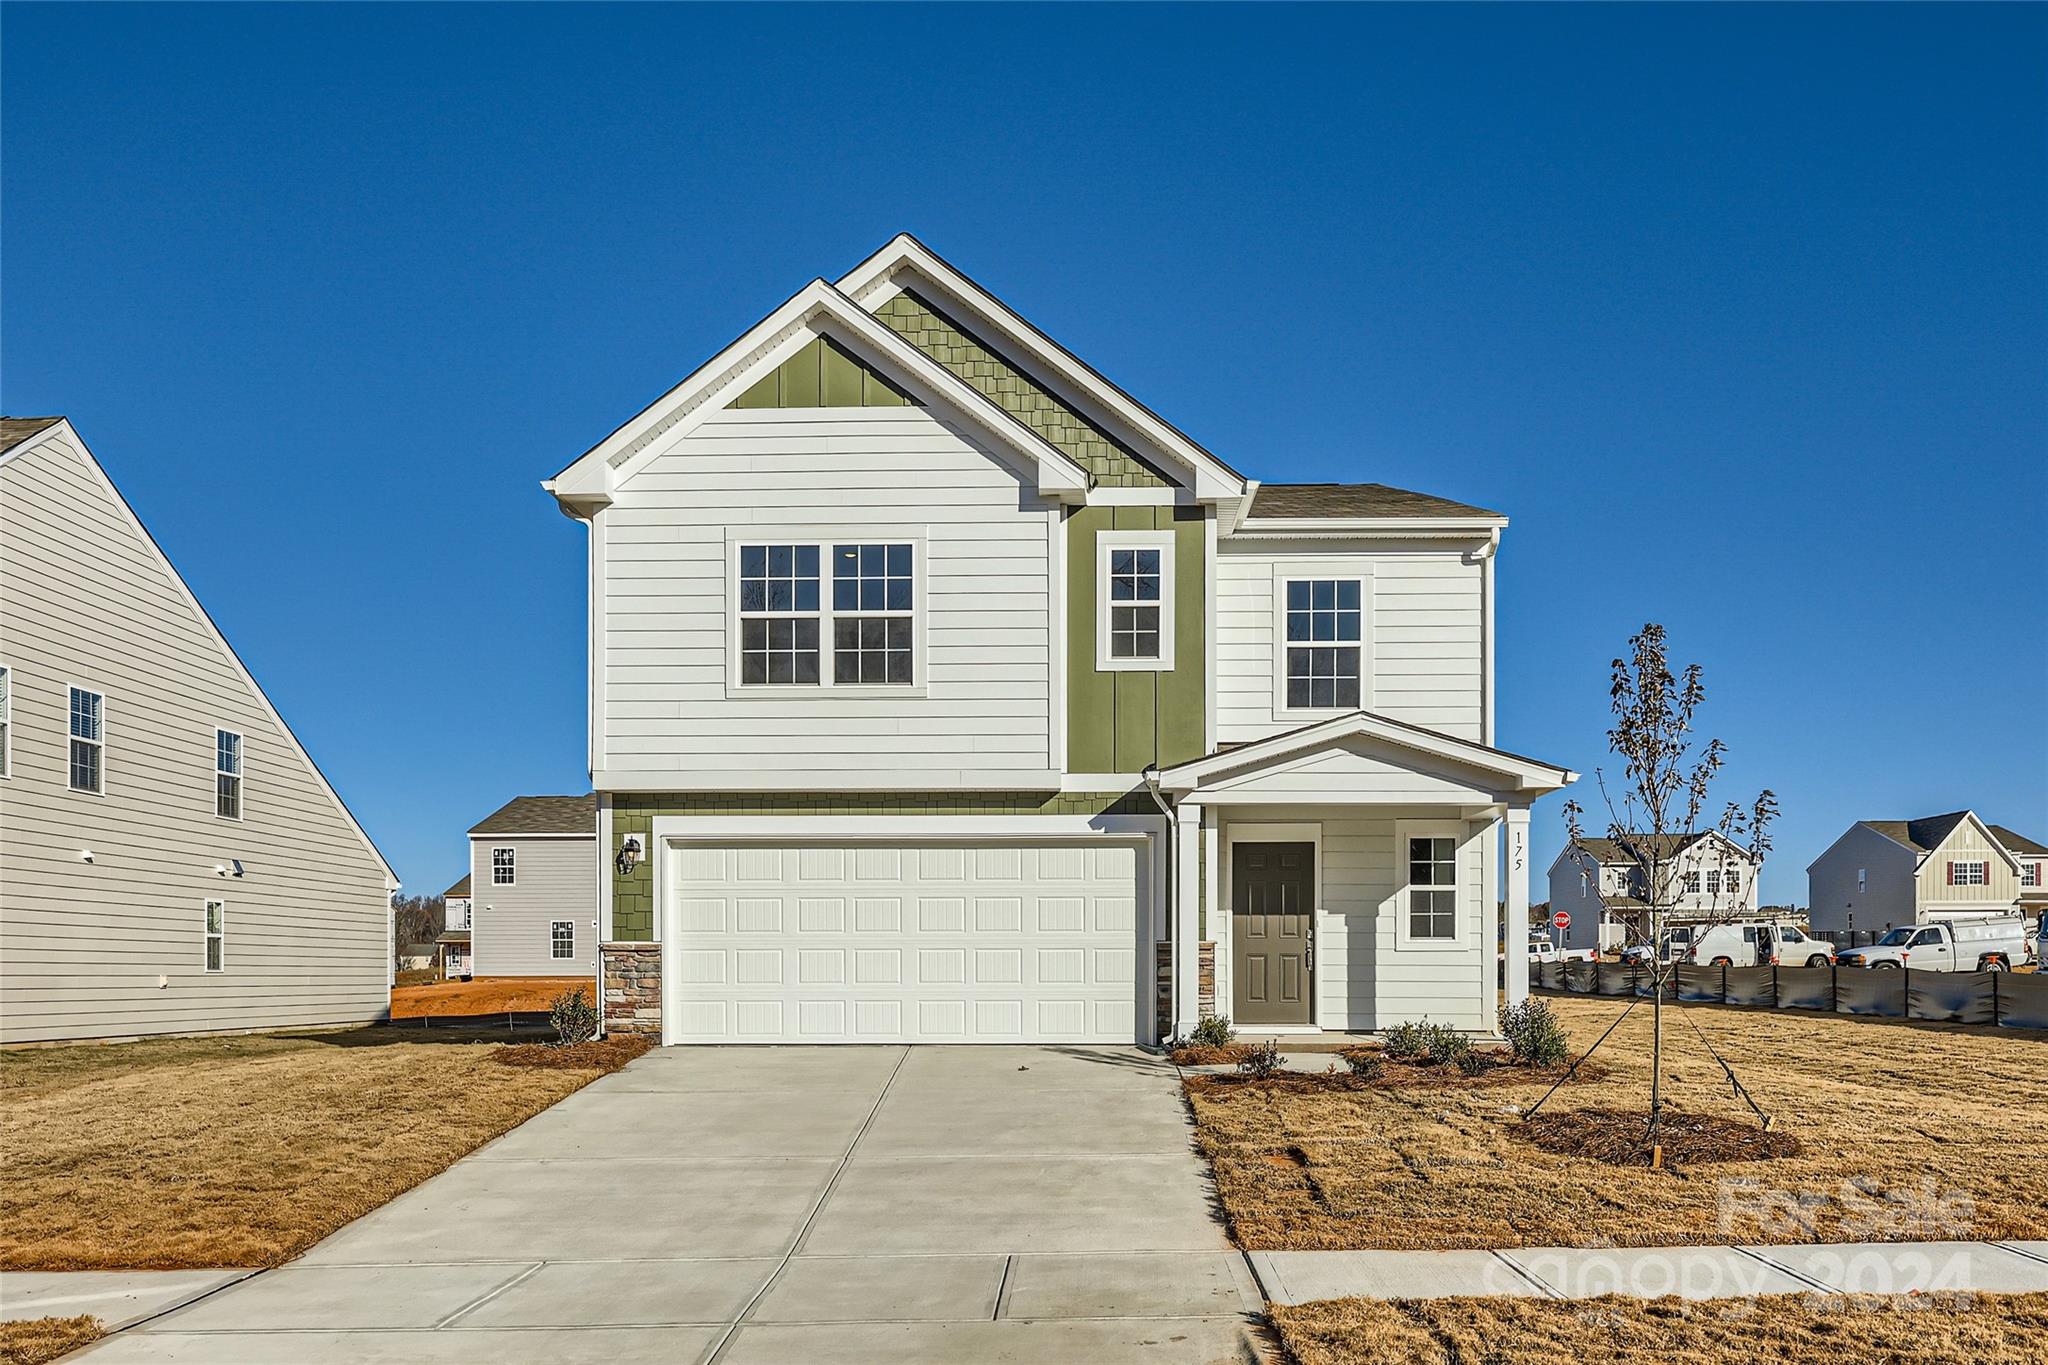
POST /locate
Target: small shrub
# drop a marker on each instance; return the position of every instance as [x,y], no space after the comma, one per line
[1365,1065]
[1534,1033]
[1261,1061]
[1471,1063]
[1446,1046]
[1406,1042]
[574,1018]
[1433,1044]
[1213,1031]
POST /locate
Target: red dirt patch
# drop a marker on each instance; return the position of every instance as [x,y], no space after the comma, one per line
[1616,1137]
[486,995]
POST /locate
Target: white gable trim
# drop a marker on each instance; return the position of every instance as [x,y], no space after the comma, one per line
[878,278]
[1518,774]
[64,428]
[1970,817]
[815,309]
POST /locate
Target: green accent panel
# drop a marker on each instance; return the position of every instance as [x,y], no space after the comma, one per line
[823,374]
[633,896]
[1111,463]
[1184,692]
[1136,705]
[1120,721]
[1091,694]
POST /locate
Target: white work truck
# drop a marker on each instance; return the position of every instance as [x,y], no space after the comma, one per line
[1974,941]
[1757,943]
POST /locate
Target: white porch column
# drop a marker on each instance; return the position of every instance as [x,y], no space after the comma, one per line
[1515,936]
[1187,848]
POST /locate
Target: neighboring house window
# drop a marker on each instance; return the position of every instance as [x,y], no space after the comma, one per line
[2030,873]
[1734,882]
[88,740]
[1976,873]
[503,870]
[1134,610]
[1324,643]
[216,934]
[1689,882]
[1714,883]
[1432,888]
[227,774]
[779,614]
[872,621]
[6,721]
[1862,879]
[562,938]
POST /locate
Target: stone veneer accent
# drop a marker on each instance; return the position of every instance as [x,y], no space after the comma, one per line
[1205,984]
[632,987]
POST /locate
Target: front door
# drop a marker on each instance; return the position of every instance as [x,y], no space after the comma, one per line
[1272,904]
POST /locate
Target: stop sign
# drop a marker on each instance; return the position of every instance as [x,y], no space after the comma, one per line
[1562,919]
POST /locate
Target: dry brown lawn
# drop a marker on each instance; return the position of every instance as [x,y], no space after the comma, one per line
[1789,1329]
[486,995]
[1907,1132]
[32,1341]
[185,1153]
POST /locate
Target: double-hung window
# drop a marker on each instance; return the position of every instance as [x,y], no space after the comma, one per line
[1429,908]
[1325,646]
[1734,882]
[1714,882]
[1134,606]
[88,741]
[868,618]
[562,938]
[1973,873]
[2030,873]
[216,934]
[227,774]
[1689,883]
[504,868]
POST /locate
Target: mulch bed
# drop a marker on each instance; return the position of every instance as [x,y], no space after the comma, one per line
[1617,1137]
[1393,1075]
[1229,1054]
[601,1054]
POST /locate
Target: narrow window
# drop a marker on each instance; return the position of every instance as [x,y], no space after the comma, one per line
[1432,888]
[872,621]
[6,721]
[779,614]
[1862,879]
[1323,644]
[227,774]
[1714,883]
[1134,599]
[1734,882]
[216,934]
[88,740]
[502,868]
[562,938]
[2030,873]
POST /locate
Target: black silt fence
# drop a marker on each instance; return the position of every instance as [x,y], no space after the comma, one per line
[2007,999]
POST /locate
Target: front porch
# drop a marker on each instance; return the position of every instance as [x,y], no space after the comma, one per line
[1347,877]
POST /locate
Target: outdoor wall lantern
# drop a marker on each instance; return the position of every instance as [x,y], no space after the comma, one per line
[629,856]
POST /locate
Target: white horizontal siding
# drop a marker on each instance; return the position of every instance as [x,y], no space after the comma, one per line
[511,926]
[1425,622]
[985,703]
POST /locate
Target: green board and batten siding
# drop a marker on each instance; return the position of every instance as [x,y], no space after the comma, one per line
[823,374]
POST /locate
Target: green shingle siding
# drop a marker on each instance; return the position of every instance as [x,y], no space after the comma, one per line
[633,894]
[1111,463]
[823,374]
[1119,721]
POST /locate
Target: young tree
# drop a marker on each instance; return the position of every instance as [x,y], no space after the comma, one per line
[1655,804]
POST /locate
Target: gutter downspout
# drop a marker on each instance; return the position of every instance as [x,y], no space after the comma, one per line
[1151,777]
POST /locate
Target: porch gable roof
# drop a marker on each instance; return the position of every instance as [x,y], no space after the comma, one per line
[1327,743]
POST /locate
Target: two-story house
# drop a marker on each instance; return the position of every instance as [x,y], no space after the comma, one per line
[533,870]
[1603,884]
[453,942]
[171,860]
[942,692]
[1883,873]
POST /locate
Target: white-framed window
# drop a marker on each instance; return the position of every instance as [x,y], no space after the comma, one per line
[6,721]
[88,741]
[1429,910]
[504,867]
[1134,592]
[1714,882]
[227,774]
[1323,625]
[216,935]
[1970,872]
[562,938]
[791,608]
[2030,873]
[1689,883]
[1734,881]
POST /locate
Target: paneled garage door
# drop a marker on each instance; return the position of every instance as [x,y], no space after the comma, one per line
[926,942]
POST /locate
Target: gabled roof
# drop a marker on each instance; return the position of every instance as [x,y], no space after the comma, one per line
[1629,848]
[1923,835]
[1520,773]
[458,890]
[38,430]
[816,308]
[1099,399]
[1365,501]
[541,815]
[2015,843]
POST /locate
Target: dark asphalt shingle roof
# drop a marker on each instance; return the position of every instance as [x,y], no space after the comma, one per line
[460,888]
[15,430]
[1333,500]
[542,815]
[2015,843]
[1924,834]
[453,936]
[1664,847]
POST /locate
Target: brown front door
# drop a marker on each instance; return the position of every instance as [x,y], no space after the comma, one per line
[1272,902]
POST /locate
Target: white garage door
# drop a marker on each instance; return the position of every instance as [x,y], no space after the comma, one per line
[924,942]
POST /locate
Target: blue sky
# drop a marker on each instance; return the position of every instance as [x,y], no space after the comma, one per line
[1737,311]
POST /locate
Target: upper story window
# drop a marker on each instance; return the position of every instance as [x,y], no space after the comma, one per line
[869,616]
[227,774]
[456,915]
[504,870]
[2030,873]
[1325,643]
[1970,873]
[6,721]
[88,741]
[1714,882]
[1689,883]
[1734,881]
[1134,600]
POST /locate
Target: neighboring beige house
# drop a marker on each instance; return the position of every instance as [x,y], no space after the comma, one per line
[1882,873]
[533,888]
[453,943]
[173,862]
[2033,860]
[1706,876]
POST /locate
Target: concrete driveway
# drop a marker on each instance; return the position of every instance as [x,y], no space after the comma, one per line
[780,1204]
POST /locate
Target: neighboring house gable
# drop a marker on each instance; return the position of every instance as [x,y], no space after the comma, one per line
[1882,873]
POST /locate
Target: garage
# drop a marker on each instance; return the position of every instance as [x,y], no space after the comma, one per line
[932,941]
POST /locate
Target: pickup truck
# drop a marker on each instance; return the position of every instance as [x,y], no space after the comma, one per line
[1543,949]
[1958,943]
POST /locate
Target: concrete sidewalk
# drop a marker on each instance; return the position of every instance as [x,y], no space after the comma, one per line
[1702,1272]
[118,1298]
